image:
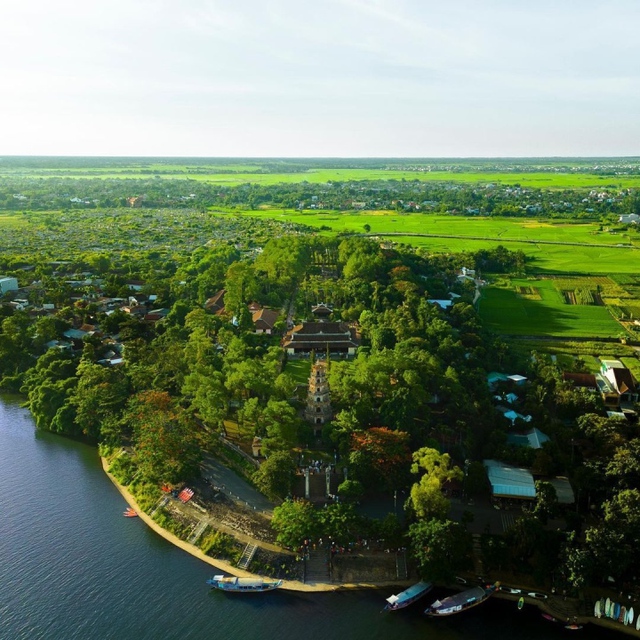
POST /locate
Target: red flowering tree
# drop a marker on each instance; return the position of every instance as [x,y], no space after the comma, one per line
[166,441]
[380,458]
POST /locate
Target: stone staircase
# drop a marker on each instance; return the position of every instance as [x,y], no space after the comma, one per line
[316,567]
[247,556]
[197,532]
[477,555]
[402,573]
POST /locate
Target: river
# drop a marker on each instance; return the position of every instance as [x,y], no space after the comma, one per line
[72,567]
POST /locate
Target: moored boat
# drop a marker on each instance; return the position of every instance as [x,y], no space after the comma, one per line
[512,590]
[245,585]
[408,596]
[461,601]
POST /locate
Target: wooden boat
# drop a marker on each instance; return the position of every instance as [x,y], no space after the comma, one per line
[630,615]
[521,602]
[461,601]
[607,607]
[596,609]
[244,585]
[130,513]
[538,595]
[549,617]
[623,614]
[616,611]
[408,596]
[573,627]
[509,589]
[638,623]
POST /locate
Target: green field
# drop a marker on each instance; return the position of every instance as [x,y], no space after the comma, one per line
[514,234]
[543,180]
[507,312]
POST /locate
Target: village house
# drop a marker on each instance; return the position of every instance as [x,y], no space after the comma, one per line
[215,304]
[264,320]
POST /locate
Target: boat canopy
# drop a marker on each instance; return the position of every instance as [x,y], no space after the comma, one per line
[392,599]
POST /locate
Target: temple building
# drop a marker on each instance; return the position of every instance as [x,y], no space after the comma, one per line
[321,337]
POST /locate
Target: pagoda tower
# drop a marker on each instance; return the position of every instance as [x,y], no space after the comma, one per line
[318,409]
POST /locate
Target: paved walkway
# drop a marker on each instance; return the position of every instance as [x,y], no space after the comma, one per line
[234,486]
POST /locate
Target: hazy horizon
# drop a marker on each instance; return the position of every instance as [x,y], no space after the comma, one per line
[332,79]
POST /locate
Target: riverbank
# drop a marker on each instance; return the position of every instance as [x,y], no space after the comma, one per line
[564,610]
[291,585]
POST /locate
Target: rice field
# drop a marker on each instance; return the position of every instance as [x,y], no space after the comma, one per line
[507,312]
[253,174]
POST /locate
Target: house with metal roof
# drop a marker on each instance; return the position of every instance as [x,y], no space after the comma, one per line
[509,482]
[534,438]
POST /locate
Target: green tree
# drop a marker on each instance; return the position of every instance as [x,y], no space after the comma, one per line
[101,394]
[294,521]
[440,548]
[276,475]
[427,499]
[546,501]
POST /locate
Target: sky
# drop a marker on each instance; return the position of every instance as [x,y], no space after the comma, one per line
[330,78]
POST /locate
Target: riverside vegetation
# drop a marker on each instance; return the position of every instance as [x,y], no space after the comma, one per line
[413,406]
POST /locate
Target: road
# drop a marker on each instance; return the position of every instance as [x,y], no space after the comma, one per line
[235,486]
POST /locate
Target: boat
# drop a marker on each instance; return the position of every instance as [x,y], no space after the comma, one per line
[596,609]
[616,611]
[549,617]
[461,601]
[509,589]
[607,607]
[408,596]
[538,595]
[521,602]
[638,623]
[630,615]
[573,627]
[623,614]
[130,513]
[246,585]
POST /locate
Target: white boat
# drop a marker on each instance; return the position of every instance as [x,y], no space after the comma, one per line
[408,596]
[510,589]
[244,585]
[461,601]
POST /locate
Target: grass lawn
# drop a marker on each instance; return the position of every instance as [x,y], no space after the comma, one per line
[506,312]
[299,370]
